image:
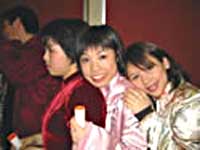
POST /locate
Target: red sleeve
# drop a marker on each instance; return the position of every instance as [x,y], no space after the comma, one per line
[94,102]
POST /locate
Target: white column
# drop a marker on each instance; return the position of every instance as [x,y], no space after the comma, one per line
[94,12]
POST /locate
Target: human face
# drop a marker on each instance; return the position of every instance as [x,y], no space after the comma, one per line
[152,81]
[9,31]
[57,62]
[98,65]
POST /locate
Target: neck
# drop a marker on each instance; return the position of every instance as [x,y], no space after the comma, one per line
[73,69]
[26,37]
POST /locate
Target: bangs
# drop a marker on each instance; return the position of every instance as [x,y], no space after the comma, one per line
[139,58]
[144,63]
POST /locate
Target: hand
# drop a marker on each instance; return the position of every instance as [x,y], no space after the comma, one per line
[33,142]
[77,132]
[136,100]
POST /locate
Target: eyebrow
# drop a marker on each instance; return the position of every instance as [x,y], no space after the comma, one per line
[132,74]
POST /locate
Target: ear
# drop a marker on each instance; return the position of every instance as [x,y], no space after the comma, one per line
[166,63]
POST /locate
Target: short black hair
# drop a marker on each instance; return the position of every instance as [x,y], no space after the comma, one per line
[104,36]
[66,33]
[27,16]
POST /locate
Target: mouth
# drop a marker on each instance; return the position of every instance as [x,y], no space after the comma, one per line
[152,87]
[97,78]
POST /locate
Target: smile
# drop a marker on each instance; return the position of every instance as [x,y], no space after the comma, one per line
[97,78]
[153,87]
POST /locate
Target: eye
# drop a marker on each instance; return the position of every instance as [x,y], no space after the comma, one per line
[84,60]
[134,77]
[103,56]
[49,49]
[151,67]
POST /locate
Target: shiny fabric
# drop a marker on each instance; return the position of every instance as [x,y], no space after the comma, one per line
[34,88]
[176,122]
[75,91]
[122,131]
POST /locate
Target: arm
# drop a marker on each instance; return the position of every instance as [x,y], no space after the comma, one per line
[132,137]
[94,132]
[140,104]
[125,134]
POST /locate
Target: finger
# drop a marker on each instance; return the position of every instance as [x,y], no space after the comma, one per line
[140,95]
[132,97]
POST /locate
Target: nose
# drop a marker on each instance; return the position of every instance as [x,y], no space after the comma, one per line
[46,56]
[94,66]
[146,78]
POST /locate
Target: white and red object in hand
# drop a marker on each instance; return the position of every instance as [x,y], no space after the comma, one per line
[14,140]
[79,112]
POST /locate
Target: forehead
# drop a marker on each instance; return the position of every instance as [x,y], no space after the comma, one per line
[144,60]
[96,49]
[144,64]
[132,68]
[152,59]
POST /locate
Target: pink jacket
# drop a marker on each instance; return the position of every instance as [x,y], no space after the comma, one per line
[122,131]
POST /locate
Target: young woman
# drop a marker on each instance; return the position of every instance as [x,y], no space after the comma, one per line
[99,58]
[171,112]
[60,39]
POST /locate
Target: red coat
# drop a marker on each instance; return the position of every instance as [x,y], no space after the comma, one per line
[76,91]
[34,87]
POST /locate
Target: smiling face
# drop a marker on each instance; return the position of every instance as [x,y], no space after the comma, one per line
[98,65]
[57,62]
[152,80]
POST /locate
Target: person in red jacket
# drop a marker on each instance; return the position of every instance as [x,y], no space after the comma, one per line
[60,37]
[21,62]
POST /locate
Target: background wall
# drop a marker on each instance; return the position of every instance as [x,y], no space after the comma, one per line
[172,24]
[50,9]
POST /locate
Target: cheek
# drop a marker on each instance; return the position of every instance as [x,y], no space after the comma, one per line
[139,85]
[57,61]
[160,74]
[85,69]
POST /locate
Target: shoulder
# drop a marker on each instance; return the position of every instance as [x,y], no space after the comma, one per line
[186,90]
[86,89]
[119,85]
[79,88]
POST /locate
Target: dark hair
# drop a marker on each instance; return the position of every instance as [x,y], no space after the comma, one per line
[137,53]
[66,33]
[103,36]
[27,16]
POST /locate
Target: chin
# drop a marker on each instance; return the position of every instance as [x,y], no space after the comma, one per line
[157,95]
[98,84]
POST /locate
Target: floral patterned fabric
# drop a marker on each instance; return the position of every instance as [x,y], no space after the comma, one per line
[176,123]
